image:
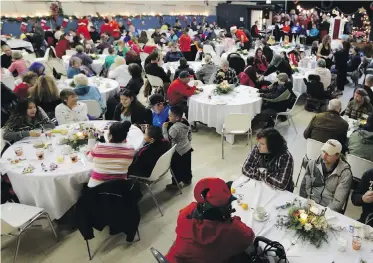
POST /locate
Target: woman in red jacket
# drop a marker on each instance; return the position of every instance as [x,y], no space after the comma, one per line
[206,231]
[63,45]
[260,61]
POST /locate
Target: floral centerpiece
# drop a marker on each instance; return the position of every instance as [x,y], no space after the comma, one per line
[223,88]
[243,51]
[359,36]
[310,223]
[295,69]
[81,136]
[93,56]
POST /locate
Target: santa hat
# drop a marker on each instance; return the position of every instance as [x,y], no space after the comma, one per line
[233,28]
[43,22]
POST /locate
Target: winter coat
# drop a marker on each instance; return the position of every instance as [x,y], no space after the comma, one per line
[365,184]
[139,114]
[179,133]
[331,191]
[205,72]
[360,144]
[113,204]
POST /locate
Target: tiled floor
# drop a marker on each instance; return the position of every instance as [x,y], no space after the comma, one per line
[38,245]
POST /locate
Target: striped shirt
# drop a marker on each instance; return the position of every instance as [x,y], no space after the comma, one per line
[110,161]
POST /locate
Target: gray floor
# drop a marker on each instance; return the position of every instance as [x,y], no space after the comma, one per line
[38,245]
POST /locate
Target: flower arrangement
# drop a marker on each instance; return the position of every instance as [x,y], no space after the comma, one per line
[80,137]
[310,224]
[243,51]
[93,56]
[295,69]
[359,35]
[223,88]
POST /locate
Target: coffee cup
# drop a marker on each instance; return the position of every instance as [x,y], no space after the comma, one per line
[260,212]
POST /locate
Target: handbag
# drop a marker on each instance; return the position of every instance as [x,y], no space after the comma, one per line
[273,251]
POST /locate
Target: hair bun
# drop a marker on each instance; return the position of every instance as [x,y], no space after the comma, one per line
[126,124]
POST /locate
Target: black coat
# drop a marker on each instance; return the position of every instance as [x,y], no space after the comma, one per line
[135,85]
[365,185]
[341,58]
[113,204]
[283,67]
[6,61]
[145,159]
[139,114]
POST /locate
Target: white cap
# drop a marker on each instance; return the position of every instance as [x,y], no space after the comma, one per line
[233,28]
[332,147]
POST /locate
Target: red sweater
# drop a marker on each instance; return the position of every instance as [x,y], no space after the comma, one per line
[21,91]
[106,28]
[241,35]
[61,47]
[149,49]
[207,241]
[177,91]
[84,31]
[184,43]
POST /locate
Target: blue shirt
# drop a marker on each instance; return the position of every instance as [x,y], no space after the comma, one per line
[90,93]
[71,72]
[159,119]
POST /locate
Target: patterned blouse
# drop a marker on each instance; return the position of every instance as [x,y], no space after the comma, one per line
[230,76]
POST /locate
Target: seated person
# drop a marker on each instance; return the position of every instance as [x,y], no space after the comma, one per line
[103,44]
[355,60]
[174,54]
[184,67]
[322,71]
[38,68]
[160,109]
[87,92]
[294,55]
[328,125]
[363,196]
[315,89]
[212,212]
[368,84]
[136,81]
[145,159]
[121,48]
[279,64]
[267,51]
[270,161]
[249,76]
[179,89]
[315,48]
[154,69]
[260,61]
[18,65]
[150,46]
[86,60]
[359,105]
[62,45]
[70,110]
[74,69]
[328,179]
[360,142]
[119,72]
[6,57]
[111,160]
[22,89]
[109,59]
[226,73]
[313,34]
[130,109]
[207,69]
[25,119]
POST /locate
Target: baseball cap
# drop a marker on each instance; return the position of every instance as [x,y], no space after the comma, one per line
[332,147]
[184,74]
[155,99]
[218,192]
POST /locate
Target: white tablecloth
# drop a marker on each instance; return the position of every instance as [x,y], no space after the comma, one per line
[195,65]
[107,87]
[18,43]
[255,193]
[7,78]
[96,64]
[297,78]
[212,111]
[219,49]
[55,191]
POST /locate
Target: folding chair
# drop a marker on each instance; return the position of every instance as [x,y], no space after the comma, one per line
[289,112]
[94,109]
[158,256]
[156,83]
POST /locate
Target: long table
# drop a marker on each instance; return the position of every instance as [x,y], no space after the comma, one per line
[255,193]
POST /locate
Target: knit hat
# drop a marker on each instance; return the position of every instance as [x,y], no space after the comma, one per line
[214,191]
[332,147]
[233,28]
[283,77]
[184,74]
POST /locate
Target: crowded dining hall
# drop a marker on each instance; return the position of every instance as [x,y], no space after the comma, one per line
[204,132]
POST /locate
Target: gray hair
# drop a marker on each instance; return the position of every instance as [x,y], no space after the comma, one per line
[208,58]
[75,60]
[369,80]
[224,62]
[79,48]
[335,105]
[81,80]
[276,60]
[321,63]
[119,60]
[16,55]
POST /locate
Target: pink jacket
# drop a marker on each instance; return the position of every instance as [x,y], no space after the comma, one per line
[18,65]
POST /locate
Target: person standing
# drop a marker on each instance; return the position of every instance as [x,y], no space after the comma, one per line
[341,58]
[184,44]
[241,37]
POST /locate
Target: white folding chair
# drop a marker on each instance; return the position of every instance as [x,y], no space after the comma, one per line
[45,58]
[17,218]
[156,83]
[17,82]
[161,168]
[94,108]
[236,123]
[105,51]
[289,112]
[70,52]
[313,151]
[208,49]
[358,165]
[143,56]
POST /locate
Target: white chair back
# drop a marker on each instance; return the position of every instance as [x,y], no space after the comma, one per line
[296,101]
[237,123]
[143,56]
[313,149]
[70,52]
[358,165]
[208,48]
[6,228]
[94,108]
[163,165]
[154,81]
[105,51]
[17,82]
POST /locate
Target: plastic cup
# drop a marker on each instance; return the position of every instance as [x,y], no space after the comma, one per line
[356,243]
[18,151]
[60,159]
[40,154]
[74,157]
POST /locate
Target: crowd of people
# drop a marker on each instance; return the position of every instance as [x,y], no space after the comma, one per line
[37,102]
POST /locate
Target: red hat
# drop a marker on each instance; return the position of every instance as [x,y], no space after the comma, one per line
[218,194]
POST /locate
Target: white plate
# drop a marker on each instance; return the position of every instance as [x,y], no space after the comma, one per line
[260,220]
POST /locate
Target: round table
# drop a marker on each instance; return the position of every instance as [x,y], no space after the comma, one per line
[107,87]
[219,48]
[96,65]
[212,112]
[18,43]
[55,191]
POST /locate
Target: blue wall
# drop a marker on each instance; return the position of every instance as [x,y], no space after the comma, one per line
[13,27]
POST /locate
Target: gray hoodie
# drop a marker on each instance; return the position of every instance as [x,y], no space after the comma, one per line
[331,191]
[179,133]
[205,72]
[360,144]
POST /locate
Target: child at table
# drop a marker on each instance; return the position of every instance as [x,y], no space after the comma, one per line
[179,133]
[111,160]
